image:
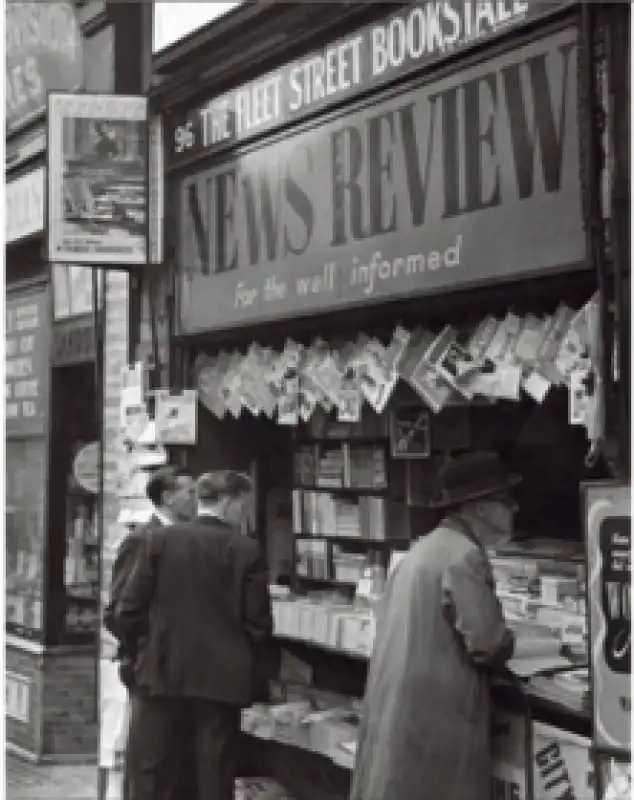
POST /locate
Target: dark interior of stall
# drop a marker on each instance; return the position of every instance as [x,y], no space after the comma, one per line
[73,555]
[534,440]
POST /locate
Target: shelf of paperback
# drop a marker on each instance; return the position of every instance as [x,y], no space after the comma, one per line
[371,421]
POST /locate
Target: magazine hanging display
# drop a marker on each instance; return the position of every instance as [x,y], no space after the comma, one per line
[497,359]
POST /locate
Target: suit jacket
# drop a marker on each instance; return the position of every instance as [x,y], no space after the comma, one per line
[121,571]
[202,590]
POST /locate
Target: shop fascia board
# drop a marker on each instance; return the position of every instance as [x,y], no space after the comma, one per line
[244,46]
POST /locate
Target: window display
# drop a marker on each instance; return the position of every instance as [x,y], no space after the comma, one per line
[81,559]
[24,517]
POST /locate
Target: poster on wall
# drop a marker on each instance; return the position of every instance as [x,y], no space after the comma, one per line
[98,161]
[609,545]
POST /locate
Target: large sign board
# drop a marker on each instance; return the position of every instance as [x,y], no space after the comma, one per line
[472,179]
[411,38]
[43,53]
[609,541]
[97,151]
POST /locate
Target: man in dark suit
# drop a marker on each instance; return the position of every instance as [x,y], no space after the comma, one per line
[167,490]
[198,604]
[162,488]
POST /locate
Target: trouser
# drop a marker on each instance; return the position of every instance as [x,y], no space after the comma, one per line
[186,764]
[160,727]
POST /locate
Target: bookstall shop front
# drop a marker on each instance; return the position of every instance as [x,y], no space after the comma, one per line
[366,294]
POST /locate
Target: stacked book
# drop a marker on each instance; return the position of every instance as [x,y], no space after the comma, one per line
[570,688]
[324,514]
[367,468]
[305,466]
[312,559]
[330,470]
[374,517]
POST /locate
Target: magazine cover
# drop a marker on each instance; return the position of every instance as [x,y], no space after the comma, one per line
[97,155]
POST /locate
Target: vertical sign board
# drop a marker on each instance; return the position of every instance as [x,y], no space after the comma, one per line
[468,180]
[113,707]
[97,155]
[609,544]
[27,362]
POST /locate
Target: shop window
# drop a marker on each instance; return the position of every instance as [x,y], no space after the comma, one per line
[73,552]
[72,290]
[25,536]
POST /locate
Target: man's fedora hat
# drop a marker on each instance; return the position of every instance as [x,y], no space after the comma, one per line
[472,476]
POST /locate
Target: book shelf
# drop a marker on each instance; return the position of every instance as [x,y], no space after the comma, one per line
[345,515]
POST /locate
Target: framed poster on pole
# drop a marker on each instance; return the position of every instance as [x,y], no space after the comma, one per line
[98,179]
[608,521]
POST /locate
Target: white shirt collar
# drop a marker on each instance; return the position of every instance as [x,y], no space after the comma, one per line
[162,516]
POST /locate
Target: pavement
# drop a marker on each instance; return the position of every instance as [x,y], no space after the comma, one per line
[27,781]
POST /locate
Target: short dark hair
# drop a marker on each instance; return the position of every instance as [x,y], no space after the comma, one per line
[213,486]
[161,481]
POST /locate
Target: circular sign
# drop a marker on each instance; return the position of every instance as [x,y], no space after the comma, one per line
[86,467]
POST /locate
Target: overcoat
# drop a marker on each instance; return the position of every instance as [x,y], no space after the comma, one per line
[425,729]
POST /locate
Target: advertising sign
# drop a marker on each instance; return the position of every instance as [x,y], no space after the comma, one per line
[27,363]
[97,149]
[24,204]
[43,53]
[175,416]
[609,542]
[473,179]
[411,38]
[562,765]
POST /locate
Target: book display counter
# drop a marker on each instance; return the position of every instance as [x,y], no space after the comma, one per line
[363,428]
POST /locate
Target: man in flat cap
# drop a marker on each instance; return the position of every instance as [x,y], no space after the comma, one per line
[198,603]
